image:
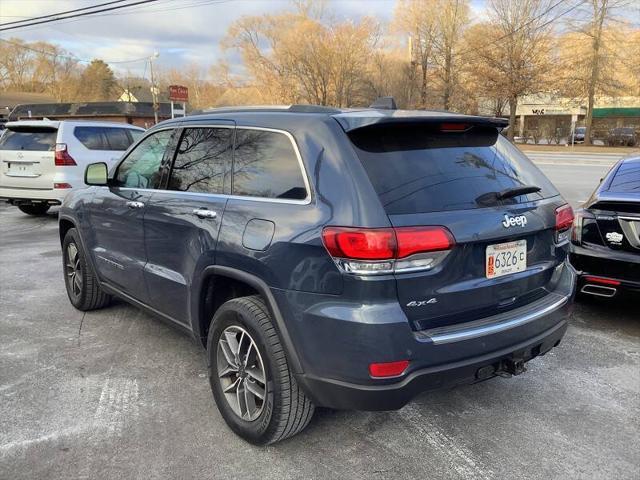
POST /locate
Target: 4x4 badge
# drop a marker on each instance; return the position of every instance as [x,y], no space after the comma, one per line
[421,303]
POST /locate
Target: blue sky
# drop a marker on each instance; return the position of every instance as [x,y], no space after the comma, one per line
[182,31]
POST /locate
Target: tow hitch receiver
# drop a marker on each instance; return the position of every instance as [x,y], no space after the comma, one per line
[514,366]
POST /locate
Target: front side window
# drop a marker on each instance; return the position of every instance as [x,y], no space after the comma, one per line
[202,159]
[141,168]
[265,165]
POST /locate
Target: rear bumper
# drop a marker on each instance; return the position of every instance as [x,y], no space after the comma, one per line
[350,396]
[616,265]
[336,341]
[33,195]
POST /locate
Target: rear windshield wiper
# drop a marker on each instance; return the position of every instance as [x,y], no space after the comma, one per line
[490,198]
[516,191]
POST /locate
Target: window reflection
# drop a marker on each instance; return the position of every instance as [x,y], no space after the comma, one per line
[203,157]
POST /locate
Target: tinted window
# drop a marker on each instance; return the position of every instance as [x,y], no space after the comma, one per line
[136,134]
[141,168]
[627,178]
[202,159]
[29,139]
[104,138]
[117,138]
[417,168]
[91,137]
[265,165]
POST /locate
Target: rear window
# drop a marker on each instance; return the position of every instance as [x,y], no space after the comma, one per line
[417,168]
[104,138]
[37,140]
[626,178]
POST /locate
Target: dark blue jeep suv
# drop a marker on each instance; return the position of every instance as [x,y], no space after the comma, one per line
[339,258]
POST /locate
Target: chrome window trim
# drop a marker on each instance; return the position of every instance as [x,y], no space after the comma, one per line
[303,170]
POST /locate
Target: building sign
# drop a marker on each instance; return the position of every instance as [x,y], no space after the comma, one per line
[178,93]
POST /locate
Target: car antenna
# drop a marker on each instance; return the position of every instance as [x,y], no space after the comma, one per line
[384,103]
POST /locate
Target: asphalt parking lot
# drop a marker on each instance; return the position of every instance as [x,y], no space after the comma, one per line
[117,394]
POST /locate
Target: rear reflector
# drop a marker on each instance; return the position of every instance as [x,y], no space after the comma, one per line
[389,369]
[564,217]
[62,157]
[62,185]
[601,280]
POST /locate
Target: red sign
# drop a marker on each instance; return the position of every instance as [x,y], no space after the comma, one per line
[178,93]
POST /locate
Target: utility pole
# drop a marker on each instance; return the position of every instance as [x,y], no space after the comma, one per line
[154,89]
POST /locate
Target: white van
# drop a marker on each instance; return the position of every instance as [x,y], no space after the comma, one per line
[42,160]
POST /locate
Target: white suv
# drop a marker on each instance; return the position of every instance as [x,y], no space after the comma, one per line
[42,160]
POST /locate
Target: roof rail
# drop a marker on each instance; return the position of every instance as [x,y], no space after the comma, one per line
[270,108]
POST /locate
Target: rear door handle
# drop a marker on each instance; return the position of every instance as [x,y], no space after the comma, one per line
[204,213]
[132,204]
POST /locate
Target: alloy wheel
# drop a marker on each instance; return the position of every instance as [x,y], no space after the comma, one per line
[241,373]
[74,270]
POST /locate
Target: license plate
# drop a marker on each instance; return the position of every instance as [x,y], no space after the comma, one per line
[506,258]
[20,169]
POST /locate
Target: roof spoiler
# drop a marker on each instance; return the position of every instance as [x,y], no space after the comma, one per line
[364,119]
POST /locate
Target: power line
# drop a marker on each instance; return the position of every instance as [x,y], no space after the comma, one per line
[137,10]
[27,19]
[82,14]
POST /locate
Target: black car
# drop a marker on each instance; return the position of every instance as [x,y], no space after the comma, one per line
[605,240]
[624,136]
[340,258]
[578,134]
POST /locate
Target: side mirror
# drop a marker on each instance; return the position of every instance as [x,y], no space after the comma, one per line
[96,174]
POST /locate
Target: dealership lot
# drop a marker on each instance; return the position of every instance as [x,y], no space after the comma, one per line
[118,393]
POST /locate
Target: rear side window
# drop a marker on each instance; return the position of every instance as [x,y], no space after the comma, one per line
[104,138]
[265,164]
[118,139]
[419,168]
[37,140]
[626,178]
[202,160]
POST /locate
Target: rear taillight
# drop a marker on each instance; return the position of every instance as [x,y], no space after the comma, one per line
[367,251]
[564,220]
[576,230]
[62,157]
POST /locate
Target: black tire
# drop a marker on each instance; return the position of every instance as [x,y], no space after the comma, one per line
[36,209]
[286,410]
[83,289]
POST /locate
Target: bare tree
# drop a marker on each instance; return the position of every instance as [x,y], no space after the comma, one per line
[590,23]
[512,52]
[419,20]
[452,18]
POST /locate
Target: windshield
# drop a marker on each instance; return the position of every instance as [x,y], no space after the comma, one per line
[416,168]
